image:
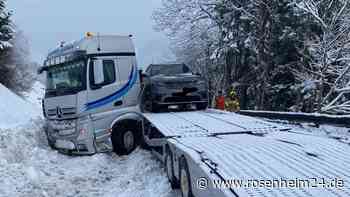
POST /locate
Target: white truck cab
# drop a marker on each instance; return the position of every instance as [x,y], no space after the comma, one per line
[91,97]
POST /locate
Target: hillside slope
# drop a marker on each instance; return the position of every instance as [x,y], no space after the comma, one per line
[14,110]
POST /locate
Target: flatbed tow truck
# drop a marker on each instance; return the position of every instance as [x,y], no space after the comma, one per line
[218,153]
[91,106]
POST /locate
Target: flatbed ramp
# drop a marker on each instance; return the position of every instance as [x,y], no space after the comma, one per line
[236,147]
[206,123]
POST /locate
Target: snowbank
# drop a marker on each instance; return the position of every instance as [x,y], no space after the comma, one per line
[14,110]
[29,168]
[36,94]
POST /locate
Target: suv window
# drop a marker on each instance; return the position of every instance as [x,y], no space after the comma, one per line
[169,70]
[108,74]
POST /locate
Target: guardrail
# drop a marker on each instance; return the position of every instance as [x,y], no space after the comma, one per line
[300,117]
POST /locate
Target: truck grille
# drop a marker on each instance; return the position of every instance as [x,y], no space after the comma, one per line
[179,99]
[63,112]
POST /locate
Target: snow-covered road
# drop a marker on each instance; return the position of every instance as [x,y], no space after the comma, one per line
[29,168]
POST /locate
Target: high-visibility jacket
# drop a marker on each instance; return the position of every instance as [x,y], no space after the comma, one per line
[220,102]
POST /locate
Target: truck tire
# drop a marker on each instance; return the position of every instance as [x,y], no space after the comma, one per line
[125,138]
[169,166]
[185,179]
[51,144]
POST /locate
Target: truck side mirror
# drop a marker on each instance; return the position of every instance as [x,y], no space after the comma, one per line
[41,70]
[144,75]
[98,72]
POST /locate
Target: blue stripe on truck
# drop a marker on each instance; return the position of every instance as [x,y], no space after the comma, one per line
[116,95]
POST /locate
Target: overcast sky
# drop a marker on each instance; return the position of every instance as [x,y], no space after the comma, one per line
[47,22]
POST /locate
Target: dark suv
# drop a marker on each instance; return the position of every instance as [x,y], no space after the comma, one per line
[172,85]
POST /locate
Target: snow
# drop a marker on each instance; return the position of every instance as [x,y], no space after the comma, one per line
[28,167]
[339,133]
[14,110]
[36,94]
[5,44]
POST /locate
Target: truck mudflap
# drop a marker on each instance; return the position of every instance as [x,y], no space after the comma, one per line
[277,164]
[103,140]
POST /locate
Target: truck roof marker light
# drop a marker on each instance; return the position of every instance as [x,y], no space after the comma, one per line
[89,34]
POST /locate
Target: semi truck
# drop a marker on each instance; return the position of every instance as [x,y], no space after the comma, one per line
[91,106]
[92,90]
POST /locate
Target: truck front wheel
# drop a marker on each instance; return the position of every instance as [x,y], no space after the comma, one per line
[125,138]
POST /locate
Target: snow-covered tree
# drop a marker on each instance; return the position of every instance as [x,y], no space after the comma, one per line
[330,63]
[5,27]
[18,72]
[6,33]
[277,54]
[194,35]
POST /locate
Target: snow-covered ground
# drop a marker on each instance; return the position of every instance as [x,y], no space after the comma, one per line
[28,167]
[36,94]
[14,110]
[340,133]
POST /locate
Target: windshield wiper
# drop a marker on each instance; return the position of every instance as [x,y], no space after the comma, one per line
[62,91]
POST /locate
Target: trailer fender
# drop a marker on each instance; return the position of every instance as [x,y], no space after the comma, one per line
[127,116]
[179,151]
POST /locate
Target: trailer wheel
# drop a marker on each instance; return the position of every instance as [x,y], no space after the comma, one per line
[125,138]
[169,166]
[185,179]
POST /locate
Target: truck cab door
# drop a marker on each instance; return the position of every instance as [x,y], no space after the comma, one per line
[128,75]
[104,83]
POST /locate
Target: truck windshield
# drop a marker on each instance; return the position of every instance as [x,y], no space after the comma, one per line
[67,78]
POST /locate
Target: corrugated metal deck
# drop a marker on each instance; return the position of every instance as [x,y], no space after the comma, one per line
[275,153]
[287,156]
[204,123]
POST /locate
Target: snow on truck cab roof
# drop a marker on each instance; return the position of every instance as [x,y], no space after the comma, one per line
[90,46]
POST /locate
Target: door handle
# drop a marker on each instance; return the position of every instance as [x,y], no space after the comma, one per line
[118,103]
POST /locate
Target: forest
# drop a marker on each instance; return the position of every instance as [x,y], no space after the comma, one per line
[278,55]
[17,71]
